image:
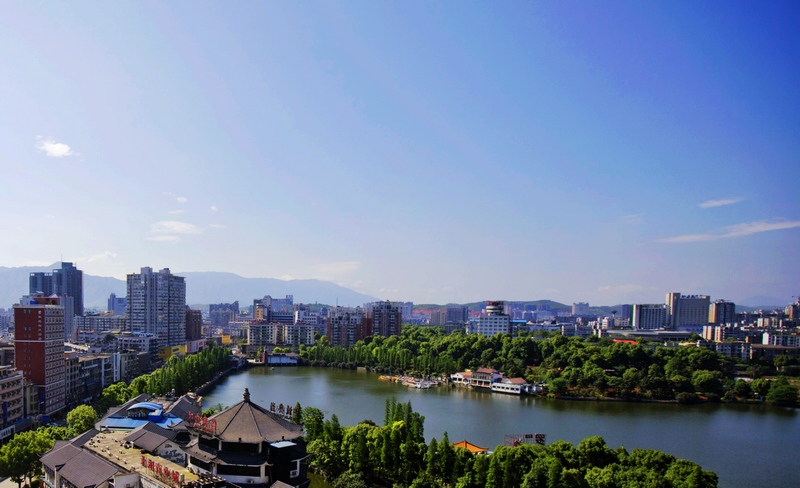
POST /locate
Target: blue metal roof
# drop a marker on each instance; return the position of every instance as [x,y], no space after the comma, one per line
[126,423]
[148,405]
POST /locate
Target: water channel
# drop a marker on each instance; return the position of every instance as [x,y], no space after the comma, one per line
[746,445]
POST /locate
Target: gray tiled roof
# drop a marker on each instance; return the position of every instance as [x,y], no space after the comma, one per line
[61,452]
[84,438]
[202,453]
[86,469]
[156,429]
[149,441]
[248,422]
[182,408]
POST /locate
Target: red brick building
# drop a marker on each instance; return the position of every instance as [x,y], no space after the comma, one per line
[39,349]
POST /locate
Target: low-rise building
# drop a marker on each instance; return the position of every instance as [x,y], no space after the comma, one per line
[480,378]
[111,459]
[781,338]
[732,349]
[514,386]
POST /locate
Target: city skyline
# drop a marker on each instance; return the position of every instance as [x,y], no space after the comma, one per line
[432,153]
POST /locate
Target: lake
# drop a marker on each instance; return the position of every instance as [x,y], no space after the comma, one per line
[746,445]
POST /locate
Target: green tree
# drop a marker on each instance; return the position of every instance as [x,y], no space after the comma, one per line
[19,458]
[81,418]
[760,387]
[705,381]
[782,394]
[742,389]
[313,422]
[350,479]
[114,395]
[594,452]
[213,410]
[297,414]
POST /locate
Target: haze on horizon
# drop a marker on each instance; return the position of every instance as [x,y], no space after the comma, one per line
[434,152]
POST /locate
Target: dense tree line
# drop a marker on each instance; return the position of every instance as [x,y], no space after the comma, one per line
[569,366]
[180,373]
[395,454]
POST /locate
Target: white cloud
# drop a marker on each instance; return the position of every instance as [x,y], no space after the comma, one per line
[176,197]
[737,230]
[172,239]
[214,208]
[633,219]
[286,277]
[174,227]
[52,148]
[179,211]
[719,203]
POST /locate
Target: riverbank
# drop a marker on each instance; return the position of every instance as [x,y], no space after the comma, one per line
[412,378]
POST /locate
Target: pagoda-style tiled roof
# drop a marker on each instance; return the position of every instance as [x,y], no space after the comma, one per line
[248,422]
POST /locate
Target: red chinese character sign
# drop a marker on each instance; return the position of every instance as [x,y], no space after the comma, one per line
[202,423]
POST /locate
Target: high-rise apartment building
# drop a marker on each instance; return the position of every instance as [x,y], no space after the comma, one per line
[792,310]
[346,326]
[65,281]
[274,304]
[221,314]
[39,349]
[648,317]
[387,318]
[438,317]
[722,312]
[157,305]
[11,400]
[687,310]
[194,324]
[580,308]
[457,314]
[626,312]
[406,308]
[117,305]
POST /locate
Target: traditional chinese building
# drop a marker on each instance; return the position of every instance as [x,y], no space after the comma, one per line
[248,445]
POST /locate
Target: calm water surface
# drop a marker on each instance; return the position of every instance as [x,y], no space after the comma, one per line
[746,445]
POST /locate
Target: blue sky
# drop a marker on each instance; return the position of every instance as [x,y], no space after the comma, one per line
[430,151]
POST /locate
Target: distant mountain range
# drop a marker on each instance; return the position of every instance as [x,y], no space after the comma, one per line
[201,288]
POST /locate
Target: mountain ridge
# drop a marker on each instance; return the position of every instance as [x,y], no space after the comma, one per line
[201,287]
[205,287]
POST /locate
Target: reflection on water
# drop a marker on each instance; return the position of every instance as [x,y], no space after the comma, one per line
[741,443]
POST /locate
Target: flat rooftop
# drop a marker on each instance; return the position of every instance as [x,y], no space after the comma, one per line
[111,447]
